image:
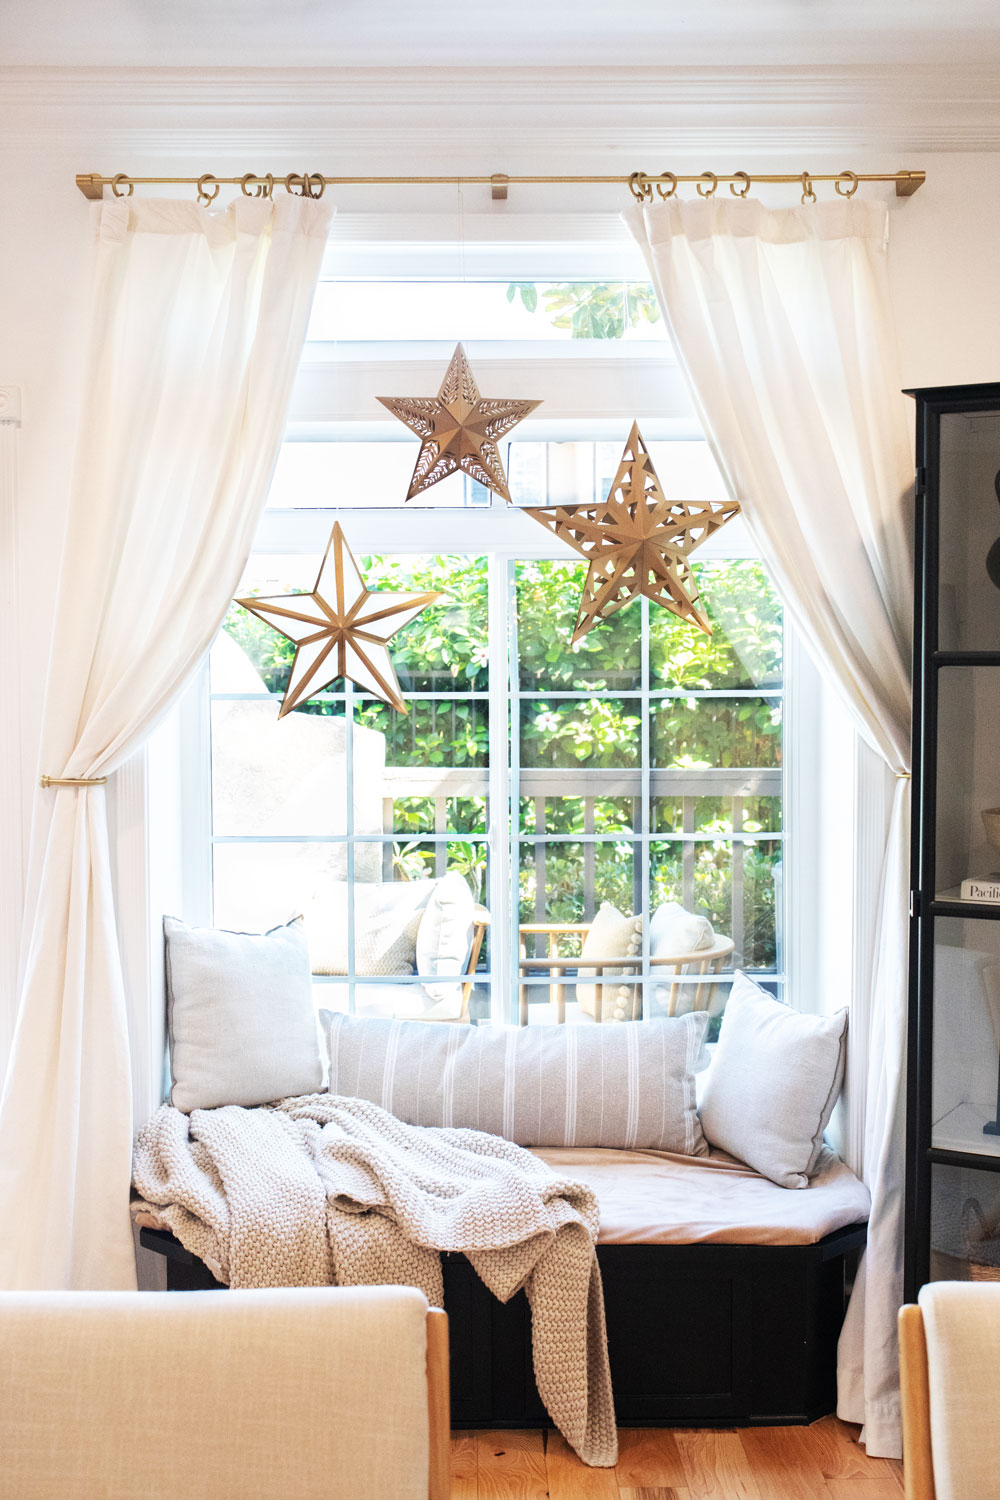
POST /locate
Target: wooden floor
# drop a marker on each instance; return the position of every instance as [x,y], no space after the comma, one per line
[821,1462]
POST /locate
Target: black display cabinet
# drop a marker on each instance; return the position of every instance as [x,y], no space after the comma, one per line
[953,1105]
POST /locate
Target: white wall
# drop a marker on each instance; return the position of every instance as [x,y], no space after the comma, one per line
[945,288]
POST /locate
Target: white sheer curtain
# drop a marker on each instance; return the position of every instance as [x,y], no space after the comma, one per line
[782,323]
[198,320]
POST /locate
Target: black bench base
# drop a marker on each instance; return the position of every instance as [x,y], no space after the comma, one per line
[698,1335]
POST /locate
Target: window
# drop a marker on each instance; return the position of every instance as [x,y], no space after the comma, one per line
[643,766]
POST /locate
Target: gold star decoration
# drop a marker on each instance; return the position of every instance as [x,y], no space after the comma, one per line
[458,429]
[345,638]
[636,541]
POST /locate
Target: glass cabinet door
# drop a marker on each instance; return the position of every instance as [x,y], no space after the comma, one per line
[953,1185]
[969,532]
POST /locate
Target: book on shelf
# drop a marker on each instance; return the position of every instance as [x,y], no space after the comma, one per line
[986,888]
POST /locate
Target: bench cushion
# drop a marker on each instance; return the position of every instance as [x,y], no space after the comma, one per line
[658,1198]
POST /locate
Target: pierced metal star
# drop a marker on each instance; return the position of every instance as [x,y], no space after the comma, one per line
[636,541]
[346,638]
[458,429]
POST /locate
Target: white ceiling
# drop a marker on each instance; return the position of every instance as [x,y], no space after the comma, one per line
[554,33]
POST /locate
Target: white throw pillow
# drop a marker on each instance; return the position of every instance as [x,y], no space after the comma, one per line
[444,937]
[674,930]
[387,919]
[243,1029]
[611,935]
[773,1084]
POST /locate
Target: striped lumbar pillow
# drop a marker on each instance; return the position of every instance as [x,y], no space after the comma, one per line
[625,1086]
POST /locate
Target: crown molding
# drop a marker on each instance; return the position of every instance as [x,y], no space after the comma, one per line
[566,114]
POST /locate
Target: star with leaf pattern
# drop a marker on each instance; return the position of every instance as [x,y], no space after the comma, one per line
[636,541]
[341,629]
[458,429]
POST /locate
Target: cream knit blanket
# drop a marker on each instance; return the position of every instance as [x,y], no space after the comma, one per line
[322,1190]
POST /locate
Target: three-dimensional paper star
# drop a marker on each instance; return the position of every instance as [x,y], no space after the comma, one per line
[340,629]
[636,541]
[458,429]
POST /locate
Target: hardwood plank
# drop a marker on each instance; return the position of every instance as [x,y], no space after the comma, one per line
[658,1494]
[648,1457]
[571,1479]
[840,1455]
[783,1463]
[511,1466]
[464,1467]
[863,1489]
[715,1464]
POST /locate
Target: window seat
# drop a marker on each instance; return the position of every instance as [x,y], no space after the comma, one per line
[724,1294]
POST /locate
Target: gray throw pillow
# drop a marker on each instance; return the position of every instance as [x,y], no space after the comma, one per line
[773,1084]
[628,1086]
[243,1029]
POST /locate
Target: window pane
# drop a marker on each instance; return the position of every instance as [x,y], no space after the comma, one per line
[440,810]
[593,815]
[726,732]
[548,603]
[566,882]
[362,311]
[717,814]
[257,886]
[437,733]
[744,649]
[736,884]
[445,649]
[291,778]
[587,732]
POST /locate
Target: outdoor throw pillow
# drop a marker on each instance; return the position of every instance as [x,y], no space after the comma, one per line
[627,1086]
[674,930]
[773,1084]
[242,1024]
[611,935]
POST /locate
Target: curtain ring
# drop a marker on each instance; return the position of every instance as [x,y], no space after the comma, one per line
[708,177]
[267,189]
[737,192]
[672,188]
[204,196]
[640,188]
[247,178]
[852,178]
[116,182]
[314,179]
[808,193]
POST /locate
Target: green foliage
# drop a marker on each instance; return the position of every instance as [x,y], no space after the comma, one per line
[591,309]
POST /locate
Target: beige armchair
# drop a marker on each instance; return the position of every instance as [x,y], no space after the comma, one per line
[949,1357]
[319,1393]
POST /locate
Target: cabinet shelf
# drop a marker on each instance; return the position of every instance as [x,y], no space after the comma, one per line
[950,904]
[966,658]
[960,1131]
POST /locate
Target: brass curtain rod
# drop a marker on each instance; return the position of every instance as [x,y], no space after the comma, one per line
[640,184]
